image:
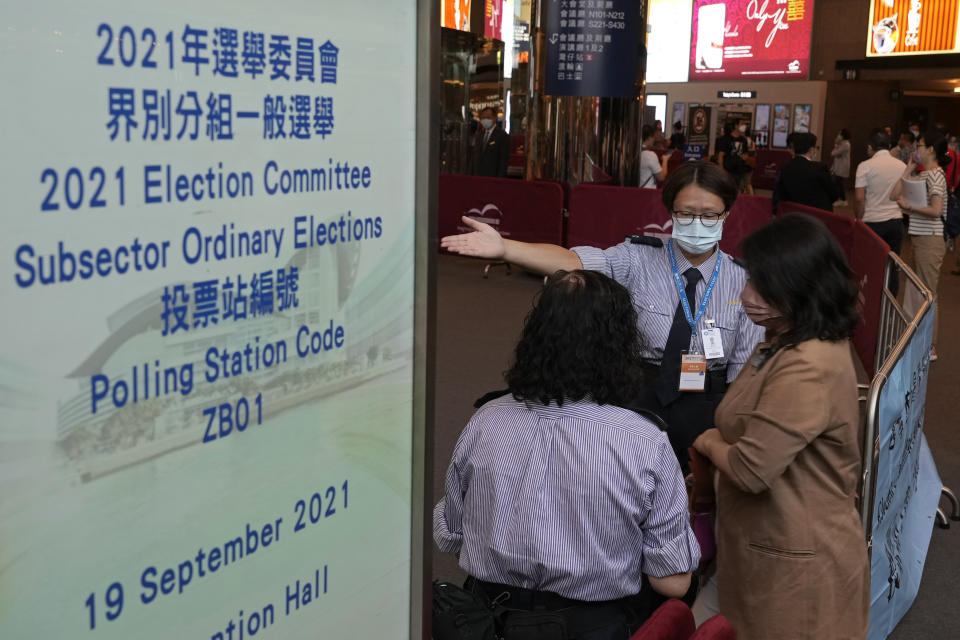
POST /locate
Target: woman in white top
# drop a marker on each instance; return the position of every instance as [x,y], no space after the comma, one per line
[840,168]
[652,169]
[926,223]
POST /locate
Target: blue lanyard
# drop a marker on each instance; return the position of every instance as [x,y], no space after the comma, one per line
[693,322]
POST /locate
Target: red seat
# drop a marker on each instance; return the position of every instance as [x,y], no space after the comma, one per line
[672,620]
[716,628]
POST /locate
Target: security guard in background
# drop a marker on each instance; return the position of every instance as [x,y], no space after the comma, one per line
[687,294]
[491,150]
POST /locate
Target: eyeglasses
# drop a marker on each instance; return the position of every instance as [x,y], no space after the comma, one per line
[709,218]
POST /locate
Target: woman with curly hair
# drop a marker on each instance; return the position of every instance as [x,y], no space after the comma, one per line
[791,555]
[557,498]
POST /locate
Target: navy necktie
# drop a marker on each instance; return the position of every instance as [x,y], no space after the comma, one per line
[677,341]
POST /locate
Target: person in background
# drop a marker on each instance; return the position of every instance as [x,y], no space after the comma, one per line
[750,158]
[876,178]
[677,139]
[557,498]
[491,153]
[926,223]
[905,148]
[804,180]
[699,196]
[840,166]
[731,148]
[652,169]
[791,556]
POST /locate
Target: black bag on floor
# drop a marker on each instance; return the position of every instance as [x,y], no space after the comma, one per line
[460,615]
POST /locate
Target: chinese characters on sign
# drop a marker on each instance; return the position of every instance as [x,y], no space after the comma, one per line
[592,48]
[162,114]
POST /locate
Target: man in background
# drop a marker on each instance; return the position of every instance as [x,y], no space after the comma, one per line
[804,180]
[906,148]
[731,149]
[491,151]
[876,178]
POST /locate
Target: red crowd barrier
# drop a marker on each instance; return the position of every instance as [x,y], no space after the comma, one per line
[518,209]
[603,216]
[769,163]
[867,254]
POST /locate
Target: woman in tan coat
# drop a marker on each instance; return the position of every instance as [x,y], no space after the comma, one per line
[791,556]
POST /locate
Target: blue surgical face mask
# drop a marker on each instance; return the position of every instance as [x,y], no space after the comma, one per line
[487,123]
[696,237]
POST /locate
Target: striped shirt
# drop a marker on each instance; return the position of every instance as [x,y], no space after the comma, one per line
[577,500]
[645,271]
[936,186]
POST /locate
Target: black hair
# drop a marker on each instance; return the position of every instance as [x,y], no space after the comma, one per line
[491,110]
[647,131]
[798,267]
[909,136]
[844,134]
[937,140]
[705,175]
[579,341]
[803,142]
[791,138]
[879,139]
[728,128]
[678,125]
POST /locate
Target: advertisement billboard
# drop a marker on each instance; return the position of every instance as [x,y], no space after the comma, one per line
[753,39]
[207,348]
[668,40]
[493,18]
[911,27]
[456,15]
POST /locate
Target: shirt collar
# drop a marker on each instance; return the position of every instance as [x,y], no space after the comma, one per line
[881,152]
[705,269]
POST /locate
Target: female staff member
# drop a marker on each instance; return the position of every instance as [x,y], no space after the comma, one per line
[707,329]
[791,557]
[926,224]
[558,499]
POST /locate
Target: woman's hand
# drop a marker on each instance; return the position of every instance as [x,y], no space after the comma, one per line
[705,441]
[911,167]
[482,242]
[902,202]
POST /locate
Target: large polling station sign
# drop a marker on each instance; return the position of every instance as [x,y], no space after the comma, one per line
[207,336]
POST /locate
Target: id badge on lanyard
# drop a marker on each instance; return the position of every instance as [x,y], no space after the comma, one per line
[693,365]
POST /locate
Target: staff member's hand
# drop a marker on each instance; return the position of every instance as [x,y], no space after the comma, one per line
[482,242]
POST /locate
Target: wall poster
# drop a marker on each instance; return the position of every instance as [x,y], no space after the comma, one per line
[801,118]
[781,125]
[761,127]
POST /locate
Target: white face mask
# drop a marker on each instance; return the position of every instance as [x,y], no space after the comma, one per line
[696,237]
[487,123]
[743,128]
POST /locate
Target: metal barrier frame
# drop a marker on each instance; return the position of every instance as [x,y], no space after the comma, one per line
[896,330]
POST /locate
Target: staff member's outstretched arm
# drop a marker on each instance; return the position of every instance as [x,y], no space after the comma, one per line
[485,242]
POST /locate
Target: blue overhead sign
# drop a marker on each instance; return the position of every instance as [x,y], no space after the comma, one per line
[592,47]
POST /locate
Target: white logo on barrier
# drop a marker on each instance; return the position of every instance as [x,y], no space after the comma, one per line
[489,214]
[663,231]
[794,66]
